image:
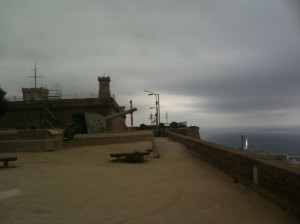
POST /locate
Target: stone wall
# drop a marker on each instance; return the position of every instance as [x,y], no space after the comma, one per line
[33,94]
[30,140]
[112,138]
[192,132]
[38,110]
[277,180]
[37,114]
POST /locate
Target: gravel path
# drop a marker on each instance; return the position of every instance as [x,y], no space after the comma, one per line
[83,185]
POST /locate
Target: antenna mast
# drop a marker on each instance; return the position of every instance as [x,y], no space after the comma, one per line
[167,118]
[35,74]
[35,69]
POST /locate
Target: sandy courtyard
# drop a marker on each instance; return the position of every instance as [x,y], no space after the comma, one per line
[82,185]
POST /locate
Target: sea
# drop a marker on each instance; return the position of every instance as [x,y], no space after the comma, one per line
[271,141]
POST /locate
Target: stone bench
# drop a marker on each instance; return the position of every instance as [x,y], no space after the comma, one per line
[5,160]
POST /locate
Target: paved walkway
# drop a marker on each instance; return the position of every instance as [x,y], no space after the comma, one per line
[82,185]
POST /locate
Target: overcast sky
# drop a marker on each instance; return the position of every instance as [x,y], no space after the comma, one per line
[215,63]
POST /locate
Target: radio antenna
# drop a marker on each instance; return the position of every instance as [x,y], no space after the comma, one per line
[35,75]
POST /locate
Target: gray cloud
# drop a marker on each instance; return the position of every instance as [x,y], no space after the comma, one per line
[232,61]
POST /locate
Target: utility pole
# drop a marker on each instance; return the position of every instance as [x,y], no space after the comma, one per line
[157,108]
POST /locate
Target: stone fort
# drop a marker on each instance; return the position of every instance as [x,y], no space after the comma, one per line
[41,110]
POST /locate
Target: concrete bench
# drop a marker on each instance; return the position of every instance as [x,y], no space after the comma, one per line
[133,157]
[5,160]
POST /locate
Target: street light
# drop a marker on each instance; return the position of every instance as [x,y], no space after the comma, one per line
[151,119]
[151,116]
[157,106]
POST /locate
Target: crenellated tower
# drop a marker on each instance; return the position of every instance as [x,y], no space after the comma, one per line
[104,87]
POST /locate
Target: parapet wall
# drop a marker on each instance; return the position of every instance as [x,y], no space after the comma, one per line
[112,138]
[277,180]
[31,140]
[188,131]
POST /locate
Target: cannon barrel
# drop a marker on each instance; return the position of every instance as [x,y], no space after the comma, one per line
[119,114]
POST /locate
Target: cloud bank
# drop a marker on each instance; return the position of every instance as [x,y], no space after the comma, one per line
[214,64]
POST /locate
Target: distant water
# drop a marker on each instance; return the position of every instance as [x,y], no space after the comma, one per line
[271,141]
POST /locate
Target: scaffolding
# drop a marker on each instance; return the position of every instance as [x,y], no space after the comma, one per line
[52,107]
[55,93]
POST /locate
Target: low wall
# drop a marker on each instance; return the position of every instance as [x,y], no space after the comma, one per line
[188,131]
[278,180]
[112,138]
[31,140]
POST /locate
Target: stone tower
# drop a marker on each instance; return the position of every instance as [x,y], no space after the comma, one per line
[33,94]
[104,87]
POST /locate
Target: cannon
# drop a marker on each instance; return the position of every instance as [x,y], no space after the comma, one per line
[87,123]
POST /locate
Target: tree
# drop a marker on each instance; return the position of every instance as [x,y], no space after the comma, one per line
[3,102]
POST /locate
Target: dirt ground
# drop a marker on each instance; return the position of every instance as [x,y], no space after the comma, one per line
[83,185]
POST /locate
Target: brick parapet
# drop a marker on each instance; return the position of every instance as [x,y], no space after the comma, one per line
[277,180]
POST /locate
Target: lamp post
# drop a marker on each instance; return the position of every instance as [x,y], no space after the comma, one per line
[151,116]
[157,107]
